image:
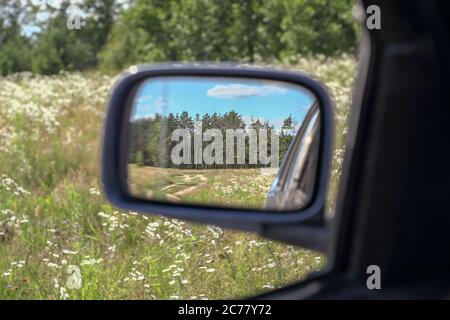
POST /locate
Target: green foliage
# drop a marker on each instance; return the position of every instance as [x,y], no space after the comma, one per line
[14,48]
[59,48]
[55,47]
[14,55]
[239,30]
[181,30]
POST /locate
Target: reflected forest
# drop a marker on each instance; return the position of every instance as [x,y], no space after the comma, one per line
[151,142]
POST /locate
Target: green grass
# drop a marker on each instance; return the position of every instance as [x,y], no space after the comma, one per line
[243,188]
[53,216]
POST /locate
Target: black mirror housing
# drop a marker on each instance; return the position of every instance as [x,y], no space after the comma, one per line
[113,174]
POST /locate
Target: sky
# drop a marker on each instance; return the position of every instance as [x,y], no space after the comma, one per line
[261,99]
[43,13]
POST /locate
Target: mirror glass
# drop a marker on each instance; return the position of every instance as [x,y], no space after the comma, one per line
[230,142]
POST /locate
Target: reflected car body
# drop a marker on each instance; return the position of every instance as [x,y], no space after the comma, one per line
[294,184]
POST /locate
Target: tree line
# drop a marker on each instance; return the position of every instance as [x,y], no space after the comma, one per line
[115,34]
[151,143]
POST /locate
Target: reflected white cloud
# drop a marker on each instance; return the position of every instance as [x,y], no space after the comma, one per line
[238,91]
[142,99]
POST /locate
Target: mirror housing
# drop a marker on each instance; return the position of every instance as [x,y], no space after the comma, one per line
[267,223]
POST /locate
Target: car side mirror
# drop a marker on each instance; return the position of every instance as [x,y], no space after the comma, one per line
[240,147]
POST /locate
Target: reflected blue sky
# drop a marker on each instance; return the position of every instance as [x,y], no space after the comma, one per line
[266,100]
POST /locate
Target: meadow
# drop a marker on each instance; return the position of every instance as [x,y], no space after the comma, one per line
[60,239]
[242,188]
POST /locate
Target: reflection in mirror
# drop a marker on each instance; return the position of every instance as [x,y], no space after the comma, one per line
[230,142]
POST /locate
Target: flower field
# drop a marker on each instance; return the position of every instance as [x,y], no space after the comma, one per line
[60,239]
